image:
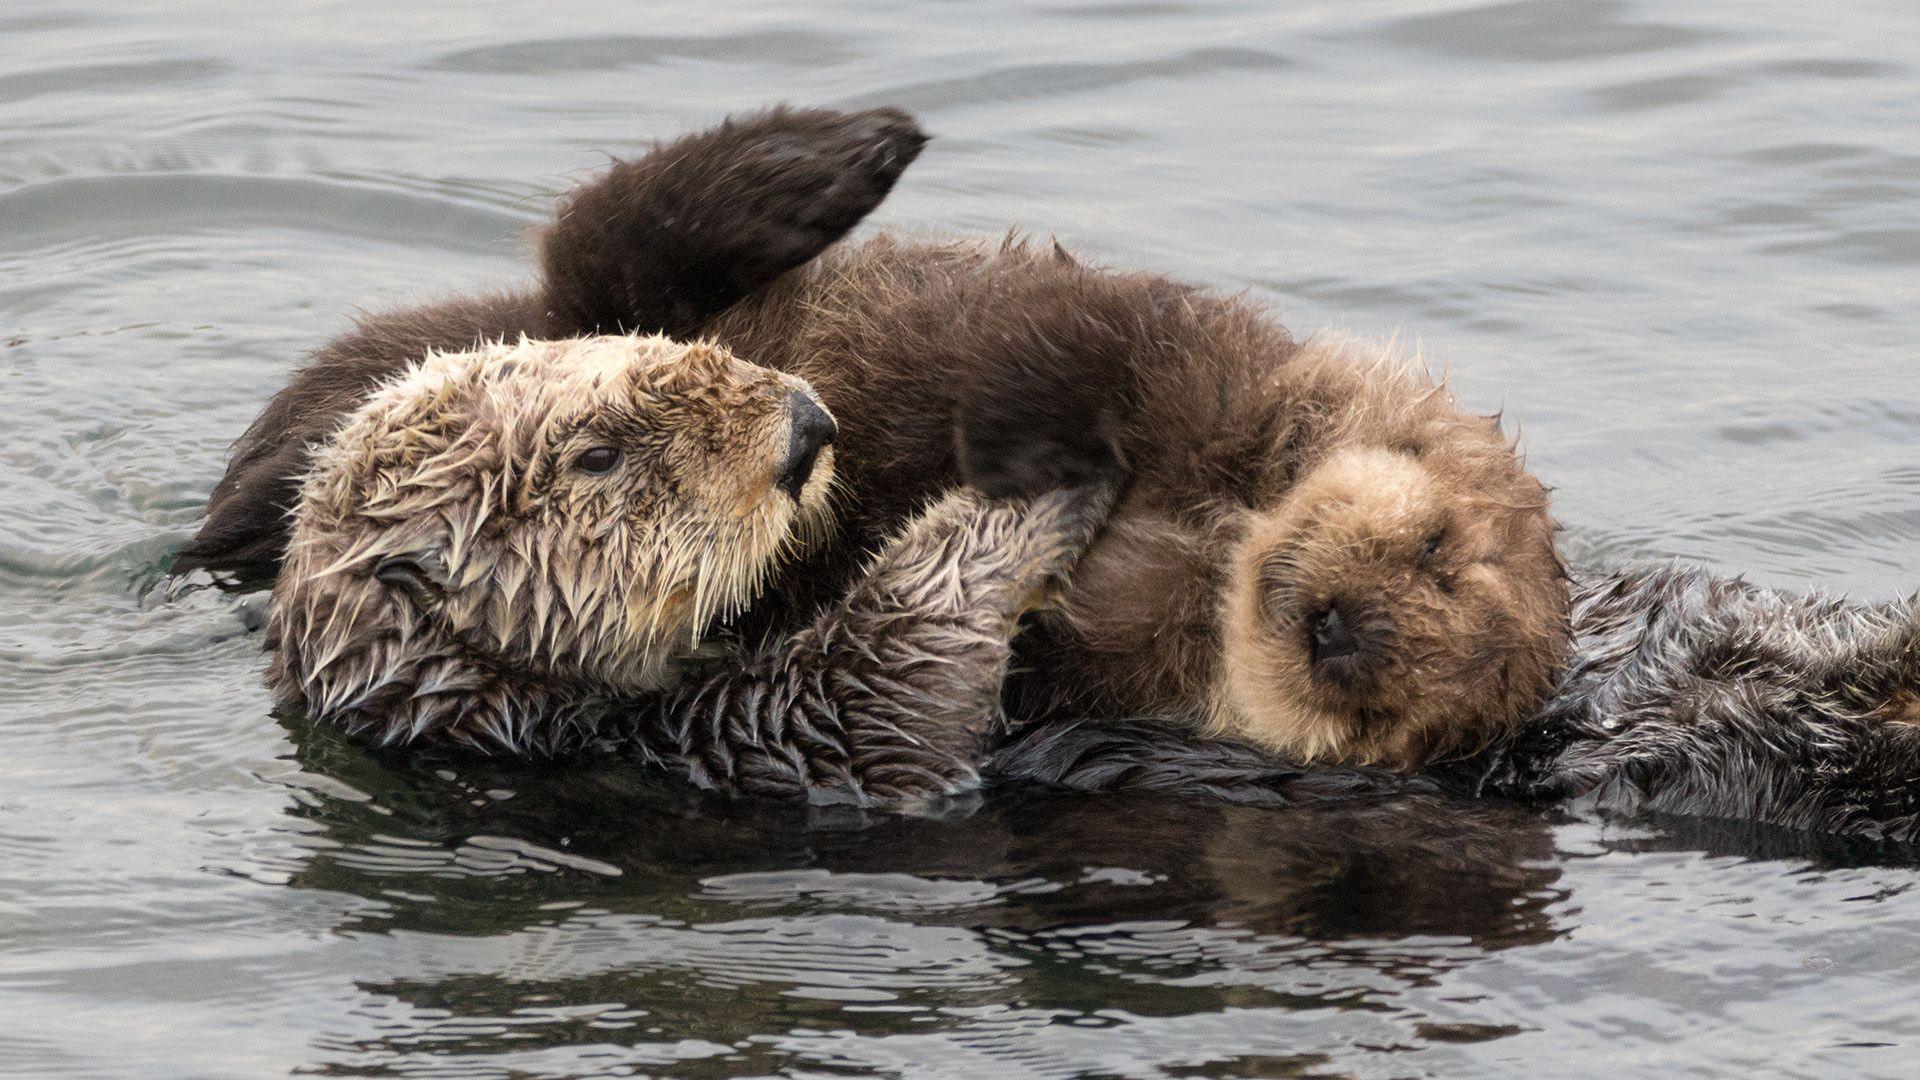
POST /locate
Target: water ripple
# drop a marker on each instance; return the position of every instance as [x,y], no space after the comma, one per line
[794,47]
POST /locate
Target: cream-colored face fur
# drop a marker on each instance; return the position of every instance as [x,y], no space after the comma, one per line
[1402,600]
[576,511]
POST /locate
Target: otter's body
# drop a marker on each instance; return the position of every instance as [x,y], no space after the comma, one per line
[1688,693]
[1319,549]
[527,548]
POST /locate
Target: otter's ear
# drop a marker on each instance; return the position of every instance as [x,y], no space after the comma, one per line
[420,576]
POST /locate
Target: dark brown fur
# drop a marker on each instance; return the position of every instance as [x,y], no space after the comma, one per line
[1245,448]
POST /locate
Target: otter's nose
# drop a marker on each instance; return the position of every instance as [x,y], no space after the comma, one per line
[812,430]
[1330,632]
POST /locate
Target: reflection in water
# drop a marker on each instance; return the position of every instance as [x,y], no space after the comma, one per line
[723,915]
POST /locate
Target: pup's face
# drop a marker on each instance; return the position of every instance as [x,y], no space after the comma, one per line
[1398,604]
[582,509]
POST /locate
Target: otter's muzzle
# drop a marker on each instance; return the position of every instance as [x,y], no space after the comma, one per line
[813,428]
[1344,645]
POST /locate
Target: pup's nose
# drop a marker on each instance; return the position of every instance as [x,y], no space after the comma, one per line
[812,430]
[1331,633]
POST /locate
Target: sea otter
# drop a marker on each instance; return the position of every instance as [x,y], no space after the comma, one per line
[1319,550]
[531,546]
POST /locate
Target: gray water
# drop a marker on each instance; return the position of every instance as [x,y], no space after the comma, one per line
[1677,241]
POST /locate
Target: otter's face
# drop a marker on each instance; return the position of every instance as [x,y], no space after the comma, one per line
[1397,604]
[582,510]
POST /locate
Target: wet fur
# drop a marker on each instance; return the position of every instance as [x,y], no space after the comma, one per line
[452,578]
[1257,461]
[452,574]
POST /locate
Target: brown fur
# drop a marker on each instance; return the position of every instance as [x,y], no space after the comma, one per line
[667,242]
[1271,480]
[1274,483]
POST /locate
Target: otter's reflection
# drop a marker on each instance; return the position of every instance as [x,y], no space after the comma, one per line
[554,904]
[1381,865]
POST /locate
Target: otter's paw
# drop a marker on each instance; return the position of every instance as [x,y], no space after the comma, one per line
[1009,445]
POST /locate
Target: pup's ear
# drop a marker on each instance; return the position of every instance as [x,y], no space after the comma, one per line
[420,576]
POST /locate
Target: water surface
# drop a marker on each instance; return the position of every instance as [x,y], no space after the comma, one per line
[1677,243]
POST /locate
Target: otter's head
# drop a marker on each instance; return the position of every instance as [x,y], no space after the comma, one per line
[1403,600]
[502,539]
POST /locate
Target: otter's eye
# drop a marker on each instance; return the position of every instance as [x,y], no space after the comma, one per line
[1432,547]
[597,461]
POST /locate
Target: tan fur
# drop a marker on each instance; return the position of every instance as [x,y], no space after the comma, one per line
[1465,631]
[462,472]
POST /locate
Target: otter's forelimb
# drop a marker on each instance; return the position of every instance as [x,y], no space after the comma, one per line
[890,696]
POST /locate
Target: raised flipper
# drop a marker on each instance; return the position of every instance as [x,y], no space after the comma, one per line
[891,695]
[665,242]
[660,244]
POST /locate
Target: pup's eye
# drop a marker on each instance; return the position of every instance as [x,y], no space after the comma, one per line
[597,461]
[1432,547]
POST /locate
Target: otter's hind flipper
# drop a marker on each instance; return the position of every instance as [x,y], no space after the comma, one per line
[889,697]
[665,242]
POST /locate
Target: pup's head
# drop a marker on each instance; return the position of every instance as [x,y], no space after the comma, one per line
[1403,600]
[503,534]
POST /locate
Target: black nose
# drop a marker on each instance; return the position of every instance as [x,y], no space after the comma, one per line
[1330,633]
[812,430]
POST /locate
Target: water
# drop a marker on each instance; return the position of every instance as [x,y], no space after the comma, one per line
[1678,242]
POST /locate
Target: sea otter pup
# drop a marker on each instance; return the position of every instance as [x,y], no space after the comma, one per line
[1688,693]
[529,546]
[1319,550]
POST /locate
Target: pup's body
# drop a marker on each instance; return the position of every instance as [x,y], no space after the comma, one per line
[1272,484]
[1319,551]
